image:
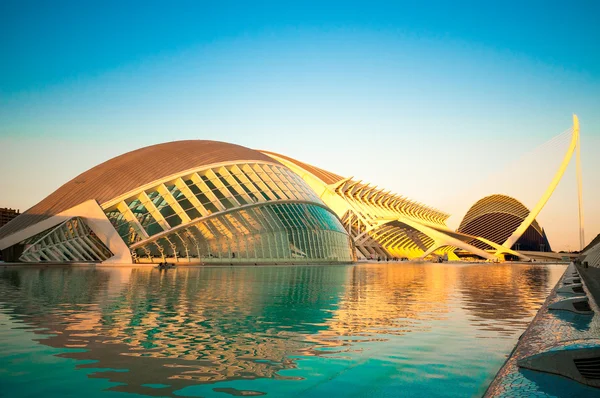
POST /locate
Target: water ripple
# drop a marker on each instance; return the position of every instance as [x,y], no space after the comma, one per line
[162,333]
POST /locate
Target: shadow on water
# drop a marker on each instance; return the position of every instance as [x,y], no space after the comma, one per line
[155,333]
[578,321]
[558,386]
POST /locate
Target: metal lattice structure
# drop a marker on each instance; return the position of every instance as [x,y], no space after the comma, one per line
[70,241]
[251,212]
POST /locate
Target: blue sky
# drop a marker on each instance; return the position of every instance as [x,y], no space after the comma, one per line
[425,100]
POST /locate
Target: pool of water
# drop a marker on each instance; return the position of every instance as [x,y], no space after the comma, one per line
[397,329]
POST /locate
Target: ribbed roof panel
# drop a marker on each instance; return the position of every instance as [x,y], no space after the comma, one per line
[126,172]
[491,209]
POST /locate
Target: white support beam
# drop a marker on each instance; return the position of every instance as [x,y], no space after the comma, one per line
[549,191]
[189,195]
[205,189]
[132,219]
[153,210]
[171,201]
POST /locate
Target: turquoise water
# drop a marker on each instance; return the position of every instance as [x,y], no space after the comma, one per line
[368,330]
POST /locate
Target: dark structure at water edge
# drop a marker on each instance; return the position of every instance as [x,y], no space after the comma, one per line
[7,215]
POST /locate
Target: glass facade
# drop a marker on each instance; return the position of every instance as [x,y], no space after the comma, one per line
[283,232]
[244,213]
[70,241]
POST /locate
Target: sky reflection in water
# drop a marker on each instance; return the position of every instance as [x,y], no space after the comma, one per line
[365,330]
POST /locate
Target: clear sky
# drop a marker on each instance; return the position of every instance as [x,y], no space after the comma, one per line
[426,100]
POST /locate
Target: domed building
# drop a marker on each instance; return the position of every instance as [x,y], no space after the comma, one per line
[184,202]
[496,218]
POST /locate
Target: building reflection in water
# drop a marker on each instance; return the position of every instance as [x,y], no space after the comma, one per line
[503,297]
[205,325]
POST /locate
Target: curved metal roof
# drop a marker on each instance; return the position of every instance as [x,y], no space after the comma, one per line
[126,172]
[326,176]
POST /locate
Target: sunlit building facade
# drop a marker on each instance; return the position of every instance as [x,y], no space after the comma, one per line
[182,202]
[205,202]
[382,224]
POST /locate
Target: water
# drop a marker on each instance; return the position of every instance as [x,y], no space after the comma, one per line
[400,329]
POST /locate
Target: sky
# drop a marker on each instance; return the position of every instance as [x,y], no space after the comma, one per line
[431,100]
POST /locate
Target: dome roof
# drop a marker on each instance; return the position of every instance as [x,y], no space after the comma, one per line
[496,217]
[495,204]
[126,172]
